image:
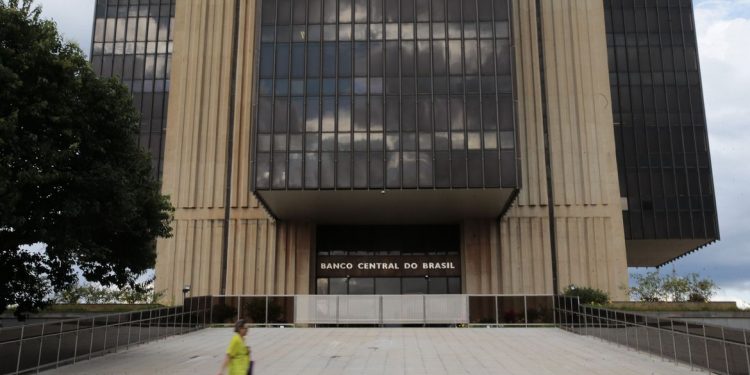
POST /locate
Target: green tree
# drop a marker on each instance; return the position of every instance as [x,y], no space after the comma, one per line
[675,288]
[648,287]
[700,289]
[72,176]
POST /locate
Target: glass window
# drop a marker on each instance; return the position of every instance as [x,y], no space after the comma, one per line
[282,60]
[376,114]
[296,115]
[423,58]
[454,285]
[387,285]
[329,59]
[321,285]
[438,285]
[454,56]
[328,115]
[280,121]
[376,59]
[345,59]
[345,114]
[360,10]
[311,142]
[393,167]
[361,285]
[413,285]
[311,170]
[298,60]
[312,115]
[412,68]
[338,285]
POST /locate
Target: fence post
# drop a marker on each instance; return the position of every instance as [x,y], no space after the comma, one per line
[91,343]
[148,337]
[747,350]
[210,311]
[140,326]
[497,309]
[20,349]
[625,321]
[674,343]
[337,310]
[635,328]
[424,310]
[75,347]
[525,312]
[690,349]
[41,345]
[380,315]
[59,343]
[130,329]
[106,330]
[585,320]
[266,323]
[724,341]
[658,330]
[117,338]
[705,344]
[648,328]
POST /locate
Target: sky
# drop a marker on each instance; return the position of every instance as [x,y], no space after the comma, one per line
[723,33]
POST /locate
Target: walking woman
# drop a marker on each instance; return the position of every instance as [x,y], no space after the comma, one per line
[238,353]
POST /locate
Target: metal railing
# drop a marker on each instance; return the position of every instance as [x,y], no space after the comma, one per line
[36,347]
[717,349]
[429,309]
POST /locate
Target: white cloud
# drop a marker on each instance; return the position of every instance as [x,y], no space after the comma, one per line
[739,294]
[74,18]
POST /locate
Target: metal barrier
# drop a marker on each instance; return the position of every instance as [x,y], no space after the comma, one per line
[429,309]
[717,349]
[36,347]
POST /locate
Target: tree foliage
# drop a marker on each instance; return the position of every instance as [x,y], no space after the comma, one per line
[72,175]
[648,287]
[653,287]
[92,293]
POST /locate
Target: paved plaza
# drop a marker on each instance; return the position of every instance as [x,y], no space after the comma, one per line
[385,351]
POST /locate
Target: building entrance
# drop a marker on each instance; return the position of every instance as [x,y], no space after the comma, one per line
[388,260]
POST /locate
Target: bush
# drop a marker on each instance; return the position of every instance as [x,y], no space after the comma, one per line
[587,295]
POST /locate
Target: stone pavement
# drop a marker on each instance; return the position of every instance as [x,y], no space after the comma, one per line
[385,351]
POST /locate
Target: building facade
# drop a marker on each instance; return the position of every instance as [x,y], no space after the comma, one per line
[417,146]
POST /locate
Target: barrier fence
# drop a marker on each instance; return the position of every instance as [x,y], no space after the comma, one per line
[36,347]
[717,349]
[429,309]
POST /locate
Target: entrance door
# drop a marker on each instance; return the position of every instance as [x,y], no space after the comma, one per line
[388,260]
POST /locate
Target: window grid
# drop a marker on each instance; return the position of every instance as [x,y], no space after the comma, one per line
[132,40]
[660,126]
[352,140]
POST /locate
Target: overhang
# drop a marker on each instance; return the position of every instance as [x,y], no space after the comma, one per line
[407,206]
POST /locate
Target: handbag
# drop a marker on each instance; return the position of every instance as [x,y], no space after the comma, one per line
[250,368]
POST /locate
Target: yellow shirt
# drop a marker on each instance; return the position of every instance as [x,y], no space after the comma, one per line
[239,356]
